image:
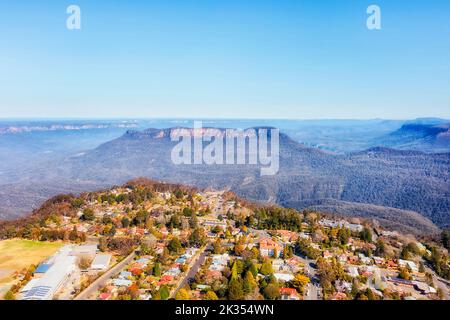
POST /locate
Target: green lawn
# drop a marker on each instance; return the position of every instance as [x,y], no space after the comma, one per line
[17,254]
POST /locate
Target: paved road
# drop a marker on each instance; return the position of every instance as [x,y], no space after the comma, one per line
[101,282]
[313,292]
[192,271]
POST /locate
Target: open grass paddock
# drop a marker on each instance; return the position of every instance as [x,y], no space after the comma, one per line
[17,254]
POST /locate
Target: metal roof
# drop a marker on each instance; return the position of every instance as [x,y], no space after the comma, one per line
[43,268]
[45,287]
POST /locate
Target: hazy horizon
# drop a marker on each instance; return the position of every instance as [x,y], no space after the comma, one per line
[208,118]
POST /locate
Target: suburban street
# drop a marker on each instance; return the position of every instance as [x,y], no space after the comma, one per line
[193,269]
[101,281]
[312,290]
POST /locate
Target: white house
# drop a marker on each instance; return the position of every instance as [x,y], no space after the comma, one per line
[284,276]
[122,282]
[353,271]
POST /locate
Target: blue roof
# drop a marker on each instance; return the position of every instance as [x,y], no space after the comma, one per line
[122,282]
[143,260]
[42,268]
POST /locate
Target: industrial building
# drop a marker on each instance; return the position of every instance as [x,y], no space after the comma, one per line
[101,262]
[62,264]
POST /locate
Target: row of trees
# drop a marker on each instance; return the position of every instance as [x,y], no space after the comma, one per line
[122,245]
[274,218]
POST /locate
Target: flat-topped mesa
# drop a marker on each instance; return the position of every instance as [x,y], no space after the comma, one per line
[423,129]
[173,131]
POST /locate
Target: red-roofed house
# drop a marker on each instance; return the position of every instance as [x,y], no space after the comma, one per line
[390,264]
[287,236]
[136,271]
[104,296]
[289,294]
[138,231]
[138,265]
[353,259]
[269,248]
[165,279]
[339,296]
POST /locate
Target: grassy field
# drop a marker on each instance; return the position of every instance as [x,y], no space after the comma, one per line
[17,254]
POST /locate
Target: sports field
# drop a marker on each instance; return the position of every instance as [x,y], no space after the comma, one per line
[17,254]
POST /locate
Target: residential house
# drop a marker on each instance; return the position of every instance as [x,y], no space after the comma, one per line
[379,261]
[269,248]
[283,276]
[289,294]
[125,275]
[390,264]
[277,264]
[104,296]
[339,296]
[353,271]
[343,286]
[342,258]
[122,282]
[165,279]
[287,236]
[364,259]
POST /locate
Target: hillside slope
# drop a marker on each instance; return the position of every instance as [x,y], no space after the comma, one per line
[403,220]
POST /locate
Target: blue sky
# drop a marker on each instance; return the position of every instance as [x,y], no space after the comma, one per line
[225,58]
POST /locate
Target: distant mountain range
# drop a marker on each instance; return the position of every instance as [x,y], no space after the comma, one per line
[430,138]
[410,189]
